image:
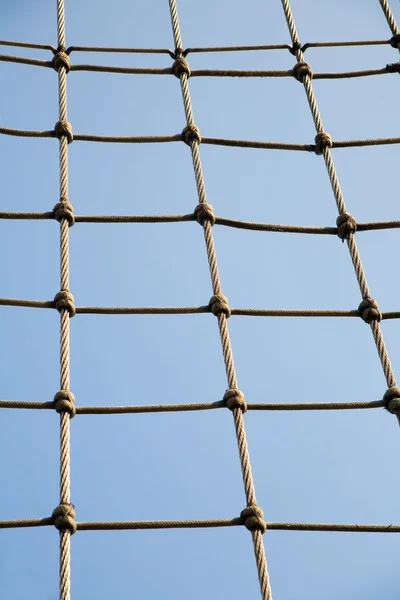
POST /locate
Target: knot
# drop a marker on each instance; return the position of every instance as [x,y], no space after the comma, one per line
[253,518]
[393,67]
[219,304]
[322,140]
[295,48]
[204,212]
[346,225]
[64,300]
[191,133]
[234,398]
[181,66]
[63,128]
[301,70]
[395,41]
[392,400]
[64,518]
[61,59]
[64,210]
[369,310]
[64,401]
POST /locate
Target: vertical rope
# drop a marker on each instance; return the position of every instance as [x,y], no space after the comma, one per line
[222,318]
[330,166]
[64,317]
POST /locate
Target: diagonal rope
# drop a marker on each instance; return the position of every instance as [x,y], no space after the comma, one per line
[354,253]
[222,316]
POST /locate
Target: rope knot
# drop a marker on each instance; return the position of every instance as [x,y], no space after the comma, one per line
[219,304]
[253,518]
[346,225]
[191,133]
[64,210]
[204,212]
[234,398]
[64,401]
[64,300]
[295,48]
[393,67]
[181,66]
[322,140]
[392,399]
[395,41]
[64,128]
[64,518]
[369,310]
[61,59]
[301,70]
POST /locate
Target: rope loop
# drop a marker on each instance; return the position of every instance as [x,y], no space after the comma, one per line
[204,212]
[395,41]
[61,59]
[64,210]
[369,310]
[181,65]
[295,48]
[253,518]
[64,518]
[191,133]
[64,128]
[393,67]
[64,300]
[346,224]
[219,304]
[322,140]
[392,400]
[301,69]
[234,398]
[64,401]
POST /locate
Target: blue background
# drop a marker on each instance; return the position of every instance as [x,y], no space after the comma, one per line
[316,467]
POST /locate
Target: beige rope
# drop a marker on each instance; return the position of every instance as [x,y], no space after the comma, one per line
[65,312]
[222,313]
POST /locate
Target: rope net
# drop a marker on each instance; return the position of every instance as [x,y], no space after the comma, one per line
[251,517]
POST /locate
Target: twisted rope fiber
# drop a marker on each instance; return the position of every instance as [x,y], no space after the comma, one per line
[220,308]
[323,139]
[63,515]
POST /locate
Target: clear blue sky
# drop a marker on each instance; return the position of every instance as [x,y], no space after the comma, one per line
[317,467]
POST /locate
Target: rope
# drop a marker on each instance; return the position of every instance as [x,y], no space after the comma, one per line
[222,314]
[157,408]
[251,517]
[203,523]
[161,139]
[325,151]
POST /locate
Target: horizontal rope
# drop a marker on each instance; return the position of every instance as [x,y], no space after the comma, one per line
[171,53]
[196,72]
[152,139]
[179,310]
[253,226]
[203,523]
[28,45]
[158,408]
[71,49]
